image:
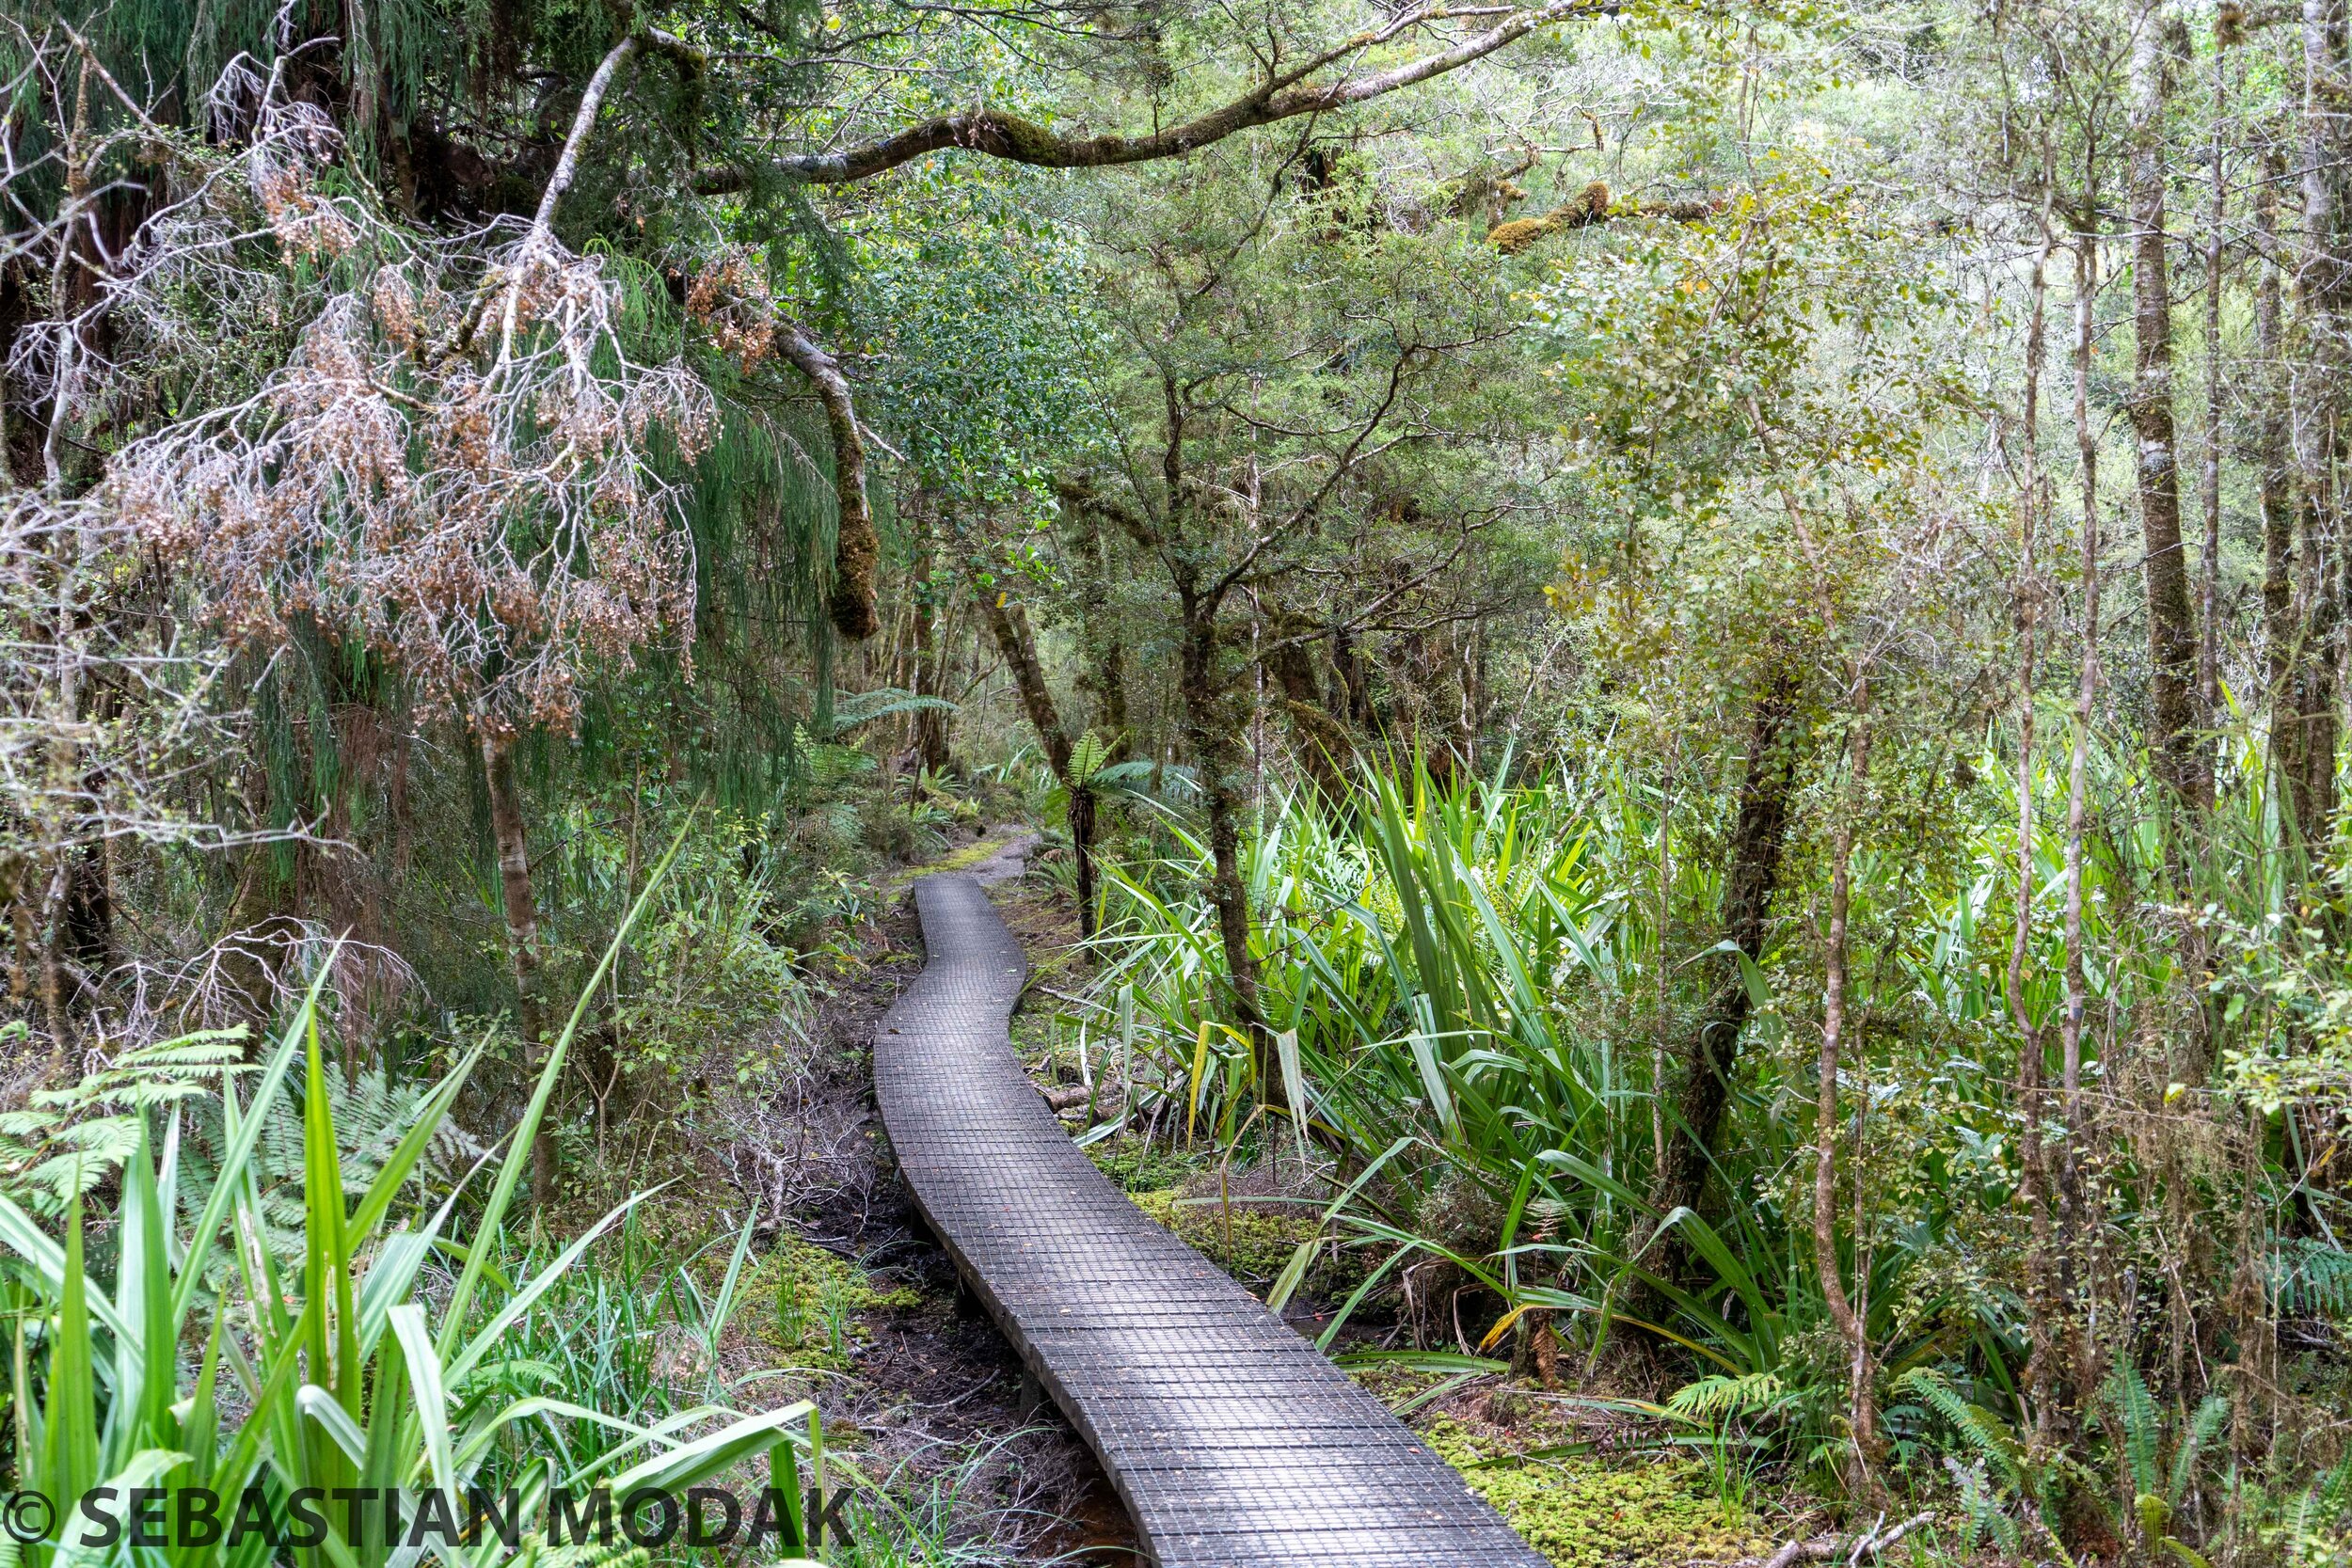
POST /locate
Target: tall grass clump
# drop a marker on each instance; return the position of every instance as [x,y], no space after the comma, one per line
[1487,987]
[355,1359]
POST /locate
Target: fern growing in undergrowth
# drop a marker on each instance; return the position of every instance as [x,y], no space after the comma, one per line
[2309,1278]
[2316,1529]
[1724,1396]
[1980,1503]
[408,1400]
[2136,1425]
[2002,1486]
[68,1141]
[2005,1487]
[371,1117]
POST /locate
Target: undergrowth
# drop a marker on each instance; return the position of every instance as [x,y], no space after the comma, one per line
[819,1301]
[1587,1512]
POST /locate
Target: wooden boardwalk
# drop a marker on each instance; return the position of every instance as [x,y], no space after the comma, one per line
[1233,1440]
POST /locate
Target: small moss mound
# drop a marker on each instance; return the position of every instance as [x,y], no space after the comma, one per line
[1251,1241]
[1512,237]
[818,1300]
[1583,1514]
[1139,1165]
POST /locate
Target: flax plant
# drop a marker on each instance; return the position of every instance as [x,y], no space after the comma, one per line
[328,1371]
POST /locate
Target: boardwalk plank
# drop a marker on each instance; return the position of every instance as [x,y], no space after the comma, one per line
[1234,1443]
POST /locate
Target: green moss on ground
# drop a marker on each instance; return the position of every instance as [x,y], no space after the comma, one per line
[1585,1513]
[1139,1165]
[817,1300]
[1252,1241]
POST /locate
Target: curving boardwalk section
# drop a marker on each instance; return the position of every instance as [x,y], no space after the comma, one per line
[1232,1441]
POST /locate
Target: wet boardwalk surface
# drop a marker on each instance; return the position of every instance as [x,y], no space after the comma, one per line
[1232,1441]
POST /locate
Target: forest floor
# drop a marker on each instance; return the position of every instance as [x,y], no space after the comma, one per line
[911,1378]
[856,1305]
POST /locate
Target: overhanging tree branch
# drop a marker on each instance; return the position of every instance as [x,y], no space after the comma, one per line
[855,548]
[1285,96]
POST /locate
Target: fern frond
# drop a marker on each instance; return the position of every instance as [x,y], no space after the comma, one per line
[881,703]
[2309,1278]
[1712,1398]
[1979,1429]
[2134,1424]
[2203,1426]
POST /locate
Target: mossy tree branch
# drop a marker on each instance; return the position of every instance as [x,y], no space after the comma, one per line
[1592,205]
[855,547]
[1282,95]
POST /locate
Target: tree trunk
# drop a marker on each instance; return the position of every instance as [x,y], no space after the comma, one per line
[2209,489]
[2324,290]
[1351,699]
[1010,623]
[930,740]
[1110,691]
[2032,1180]
[1321,744]
[1758,838]
[2275,488]
[2178,754]
[2072,1219]
[1107,645]
[1216,753]
[856,550]
[1862,1395]
[1711,1054]
[511,834]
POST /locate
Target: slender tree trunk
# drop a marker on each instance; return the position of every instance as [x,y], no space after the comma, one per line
[1862,1395]
[2324,291]
[2032,1162]
[55,1014]
[2174,744]
[2275,487]
[2209,572]
[509,831]
[1109,651]
[1215,741]
[2072,1217]
[1661,957]
[930,740]
[1010,623]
